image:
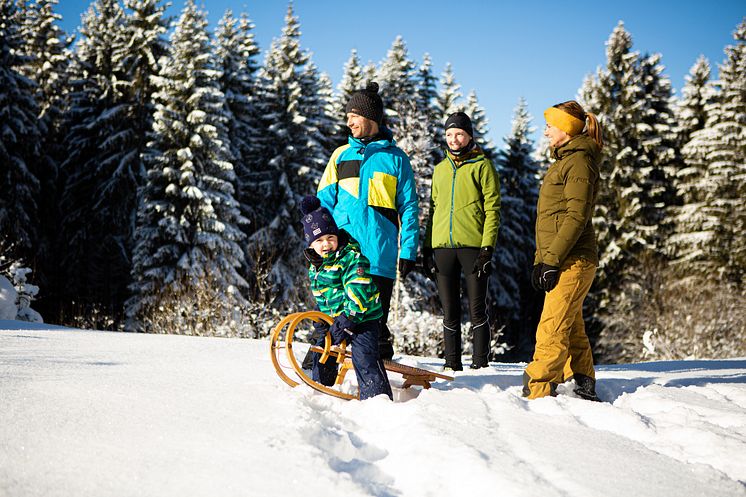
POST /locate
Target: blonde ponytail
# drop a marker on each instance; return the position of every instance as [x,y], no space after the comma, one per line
[593,128]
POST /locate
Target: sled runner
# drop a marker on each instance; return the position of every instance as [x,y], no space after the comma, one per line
[339,353]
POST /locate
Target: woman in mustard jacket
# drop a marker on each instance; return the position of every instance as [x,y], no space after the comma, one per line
[460,237]
[566,253]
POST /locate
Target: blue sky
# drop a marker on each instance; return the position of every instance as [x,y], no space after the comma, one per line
[540,50]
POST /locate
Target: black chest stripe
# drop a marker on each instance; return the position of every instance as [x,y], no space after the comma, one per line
[348,169]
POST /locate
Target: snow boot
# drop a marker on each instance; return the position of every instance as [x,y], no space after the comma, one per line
[585,387]
[481,340]
[316,338]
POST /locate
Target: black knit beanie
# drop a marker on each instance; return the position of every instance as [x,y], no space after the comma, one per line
[317,221]
[461,121]
[367,103]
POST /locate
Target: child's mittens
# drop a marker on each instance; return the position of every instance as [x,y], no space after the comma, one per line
[339,328]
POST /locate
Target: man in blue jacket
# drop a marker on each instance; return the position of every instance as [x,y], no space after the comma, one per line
[369,187]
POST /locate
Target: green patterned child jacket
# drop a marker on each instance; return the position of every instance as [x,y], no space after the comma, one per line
[343,284]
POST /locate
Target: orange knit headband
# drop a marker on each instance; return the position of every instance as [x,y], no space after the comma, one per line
[564,121]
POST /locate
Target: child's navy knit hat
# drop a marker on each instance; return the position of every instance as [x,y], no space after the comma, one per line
[317,220]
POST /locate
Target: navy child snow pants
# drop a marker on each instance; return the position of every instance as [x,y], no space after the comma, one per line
[369,370]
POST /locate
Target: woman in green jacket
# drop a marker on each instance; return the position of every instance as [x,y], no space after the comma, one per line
[460,237]
[566,253]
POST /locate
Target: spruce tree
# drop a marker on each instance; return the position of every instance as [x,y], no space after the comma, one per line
[427,95]
[187,242]
[695,226]
[20,139]
[626,96]
[510,287]
[396,78]
[718,153]
[110,115]
[236,53]
[479,124]
[633,217]
[294,160]
[352,80]
[328,122]
[696,95]
[446,103]
[49,57]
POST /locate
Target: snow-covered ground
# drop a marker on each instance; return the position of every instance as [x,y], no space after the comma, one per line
[86,413]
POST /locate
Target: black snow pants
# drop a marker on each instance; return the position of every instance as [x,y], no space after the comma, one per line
[450,263]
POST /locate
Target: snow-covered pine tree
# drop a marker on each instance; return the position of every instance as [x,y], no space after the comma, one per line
[718,153]
[695,225]
[633,220]
[236,53]
[49,57]
[427,95]
[370,73]
[696,95]
[88,123]
[511,295]
[20,138]
[352,79]
[396,79]
[320,123]
[110,115]
[416,296]
[48,49]
[615,94]
[479,124]
[294,161]
[659,135]
[446,103]
[187,242]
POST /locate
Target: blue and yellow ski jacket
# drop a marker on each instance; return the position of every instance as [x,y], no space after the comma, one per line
[370,191]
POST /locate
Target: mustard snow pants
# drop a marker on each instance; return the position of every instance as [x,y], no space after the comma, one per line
[562,347]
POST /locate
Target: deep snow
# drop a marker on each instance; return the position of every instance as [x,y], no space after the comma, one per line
[86,413]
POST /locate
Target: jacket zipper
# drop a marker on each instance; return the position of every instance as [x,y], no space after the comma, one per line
[453,196]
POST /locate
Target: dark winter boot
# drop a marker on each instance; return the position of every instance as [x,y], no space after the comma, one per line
[316,338]
[385,343]
[585,387]
[452,348]
[481,340]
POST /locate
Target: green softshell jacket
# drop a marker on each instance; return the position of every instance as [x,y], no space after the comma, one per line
[465,203]
[566,200]
[343,284]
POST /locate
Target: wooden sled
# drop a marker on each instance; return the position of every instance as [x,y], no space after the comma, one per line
[279,341]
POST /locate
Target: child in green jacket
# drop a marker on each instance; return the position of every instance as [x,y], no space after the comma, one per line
[343,288]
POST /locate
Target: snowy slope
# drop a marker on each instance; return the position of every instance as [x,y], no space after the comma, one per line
[111,414]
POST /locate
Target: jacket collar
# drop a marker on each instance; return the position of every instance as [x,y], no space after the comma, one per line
[581,142]
[384,138]
[471,156]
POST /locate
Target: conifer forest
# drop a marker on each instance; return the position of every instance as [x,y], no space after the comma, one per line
[151,171]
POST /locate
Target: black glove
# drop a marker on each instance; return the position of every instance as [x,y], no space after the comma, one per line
[428,263]
[312,257]
[483,264]
[319,330]
[405,267]
[339,328]
[548,277]
[535,275]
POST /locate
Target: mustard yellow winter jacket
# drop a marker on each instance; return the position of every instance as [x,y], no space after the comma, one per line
[465,203]
[566,201]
